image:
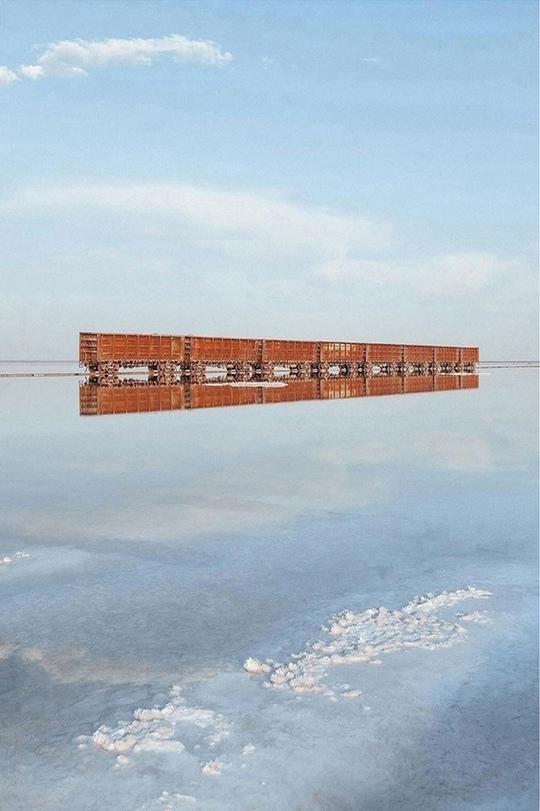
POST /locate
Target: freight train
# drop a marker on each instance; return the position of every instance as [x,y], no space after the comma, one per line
[107,353]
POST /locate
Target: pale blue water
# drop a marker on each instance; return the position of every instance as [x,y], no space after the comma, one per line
[167,548]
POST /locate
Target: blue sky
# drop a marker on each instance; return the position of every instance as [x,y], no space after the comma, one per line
[359,170]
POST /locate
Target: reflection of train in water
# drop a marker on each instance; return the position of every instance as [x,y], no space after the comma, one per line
[140,397]
[104,354]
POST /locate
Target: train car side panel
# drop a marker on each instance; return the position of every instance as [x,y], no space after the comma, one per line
[414,353]
[275,351]
[223,350]
[383,353]
[446,354]
[342,352]
[88,348]
[470,354]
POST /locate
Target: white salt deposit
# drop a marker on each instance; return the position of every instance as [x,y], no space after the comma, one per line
[155,729]
[169,801]
[367,635]
[6,560]
[212,768]
[475,616]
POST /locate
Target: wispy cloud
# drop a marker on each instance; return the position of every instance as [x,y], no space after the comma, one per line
[446,274]
[265,231]
[69,58]
[7,76]
[243,224]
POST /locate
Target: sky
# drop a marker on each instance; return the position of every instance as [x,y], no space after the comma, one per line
[342,170]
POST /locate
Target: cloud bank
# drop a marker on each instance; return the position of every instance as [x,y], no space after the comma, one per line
[334,247]
[69,58]
[252,260]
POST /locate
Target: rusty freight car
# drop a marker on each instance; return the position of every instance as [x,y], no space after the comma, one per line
[166,356]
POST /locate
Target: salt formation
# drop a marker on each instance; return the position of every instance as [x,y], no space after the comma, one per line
[7,560]
[154,729]
[171,801]
[213,767]
[365,637]
[475,616]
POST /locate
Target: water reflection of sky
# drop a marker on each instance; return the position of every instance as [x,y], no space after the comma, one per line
[166,548]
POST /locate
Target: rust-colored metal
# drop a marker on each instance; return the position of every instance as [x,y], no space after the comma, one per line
[384,353]
[213,395]
[343,387]
[469,381]
[446,382]
[275,351]
[447,354]
[223,350]
[414,353]
[342,352]
[384,385]
[95,348]
[104,354]
[470,354]
[293,391]
[418,383]
[129,399]
[136,397]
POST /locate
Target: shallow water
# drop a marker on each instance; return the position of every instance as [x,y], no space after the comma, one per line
[172,548]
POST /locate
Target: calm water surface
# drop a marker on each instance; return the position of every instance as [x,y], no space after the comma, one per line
[170,548]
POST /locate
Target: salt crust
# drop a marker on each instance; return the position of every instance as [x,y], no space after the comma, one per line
[475,616]
[213,767]
[169,801]
[154,729]
[6,560]
[349,637]
[367,635]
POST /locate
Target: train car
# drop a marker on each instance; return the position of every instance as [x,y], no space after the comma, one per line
[128,348]
[470,355]
[384,353]
[107,352]
[342,352]
[275,351]
[223,350]
[416,353]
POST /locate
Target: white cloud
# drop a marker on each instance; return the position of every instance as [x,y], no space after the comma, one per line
[31,71]
[446,274]
[7,76]
[241,224]
[76,57]
[260,262]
